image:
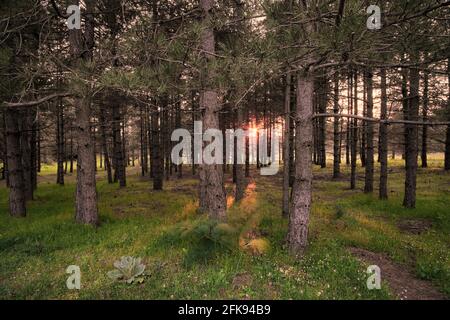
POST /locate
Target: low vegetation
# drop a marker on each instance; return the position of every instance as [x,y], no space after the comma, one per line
[189,257]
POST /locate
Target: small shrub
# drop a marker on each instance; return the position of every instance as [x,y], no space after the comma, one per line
[257,246]
[340,212]
[206,238]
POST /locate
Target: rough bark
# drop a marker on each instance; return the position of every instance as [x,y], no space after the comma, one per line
[215,200]
[424,150]
[287,148]
[297,237]
[25,145]
[241,181]
[194,110]
[349,121]
[258,164]
[354,134]
[369,159]
[316,123]
[71,151]
[86,193]
[411,139]
[60,143]
[38,148]
[383,140]
[144,142]
[166,140]
[3,149]
[363,135]
[157,159]
[447,136]
[447,149]
[126,157]
[104,143]
[178,126]
[322,108]
[292,154]
[336,140]
[150,143]
[120,171]
[17,205]
[247,148]
[34,151]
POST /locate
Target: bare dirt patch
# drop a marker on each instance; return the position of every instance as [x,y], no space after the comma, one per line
[400,278]
[414,226]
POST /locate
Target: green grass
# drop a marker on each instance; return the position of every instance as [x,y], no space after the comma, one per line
[137,221]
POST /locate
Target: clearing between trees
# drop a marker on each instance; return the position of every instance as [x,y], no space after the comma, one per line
[348,231]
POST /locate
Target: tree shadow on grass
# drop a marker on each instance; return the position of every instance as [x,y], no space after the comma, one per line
[201,241]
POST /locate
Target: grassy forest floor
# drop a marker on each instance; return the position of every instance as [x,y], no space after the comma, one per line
[349,230]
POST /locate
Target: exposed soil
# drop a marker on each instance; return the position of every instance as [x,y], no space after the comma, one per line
[414,226]
[400,278]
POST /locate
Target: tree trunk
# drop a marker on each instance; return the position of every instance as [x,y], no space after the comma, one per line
[424,151]
[101,159]
[247,147]
[411,139]
[447,136]
[25,144]
[194,110]
[5,150]
[354,135]
[447,149]
[143,147]
[60,143]
[33,154]
[297,237]
[368,186]
[287,148]
[363,146]
[158,162]
[383,140]
[215,201]
[316,124]
[118,145]
[104,142]
[86,193]
[292,133]
[17,199]
[38,147]
[322,106]
[336,140]
[166,140]
[149,117]
[241,181]
[126,157]
[349,121]
[258,164]
[71,150]
[178,126]
[86,199]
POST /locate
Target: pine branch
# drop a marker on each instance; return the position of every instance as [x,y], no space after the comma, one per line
[35,102]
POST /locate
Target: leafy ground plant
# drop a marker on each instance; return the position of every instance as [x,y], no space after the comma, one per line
[128,269]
